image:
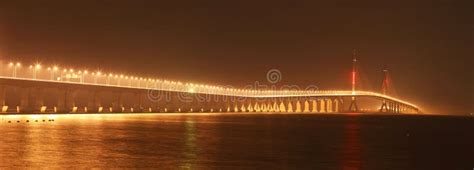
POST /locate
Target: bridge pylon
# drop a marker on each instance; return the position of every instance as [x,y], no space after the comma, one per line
[384,107]
[353,106]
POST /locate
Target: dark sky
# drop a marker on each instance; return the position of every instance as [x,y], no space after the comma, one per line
[428,46]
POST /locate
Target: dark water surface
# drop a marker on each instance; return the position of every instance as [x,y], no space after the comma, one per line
[218,141]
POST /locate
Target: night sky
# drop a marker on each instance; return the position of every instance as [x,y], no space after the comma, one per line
[427,46]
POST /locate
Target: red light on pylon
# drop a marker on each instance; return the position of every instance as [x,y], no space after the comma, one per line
[353,77]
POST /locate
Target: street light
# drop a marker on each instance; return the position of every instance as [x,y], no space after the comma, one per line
[52,70]
[83,75]
[14,67]
[96,75]
[139,81]
[108,78]
[120,78]
[35,68]
[117,79]
[129,80]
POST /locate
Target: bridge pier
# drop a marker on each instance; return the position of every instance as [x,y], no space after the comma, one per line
[214,103]
[208,104]
[24,106]
[267,105]
[222,106]
[71,104]
[336,105]
[322,105]
[3,106]
[38,99]
[146,105]
[282,107]
[153,103]
[116,103]
[353,106]
[329,106]
[342,104]
[383,107]
[249,105]
[263,106]
[392,107]
[298,106]
[314,103]
[307,105]
[157,100]
[173,104]
[94,103]
[61,100]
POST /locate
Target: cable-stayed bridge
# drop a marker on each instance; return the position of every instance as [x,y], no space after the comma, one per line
[39,89]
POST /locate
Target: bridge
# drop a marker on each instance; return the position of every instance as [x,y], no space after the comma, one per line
[39,89]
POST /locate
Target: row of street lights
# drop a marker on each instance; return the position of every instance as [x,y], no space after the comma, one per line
[160,84]
[71,73]
[164,84]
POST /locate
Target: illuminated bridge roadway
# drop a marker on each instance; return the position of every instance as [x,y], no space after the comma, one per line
[36,89]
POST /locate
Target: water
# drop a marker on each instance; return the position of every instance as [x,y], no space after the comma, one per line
[218,141]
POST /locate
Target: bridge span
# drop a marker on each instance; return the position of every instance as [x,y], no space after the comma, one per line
[83,92]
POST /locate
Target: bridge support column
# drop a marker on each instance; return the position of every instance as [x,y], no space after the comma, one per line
[39,100]
[25,96]
[3,107]
[329,105]
[227,106]
[306,106]
[67,102]
[94,103]
[72,105]
[298,108]
[322,105]
[98,102]
[353,106]
[138,106]
[341,108]
[256,106]
[290,108]
[394,105]
[61,101]
[383,108]
[117,104]
[282,107]
[314,103]
[263,106]
[391,107]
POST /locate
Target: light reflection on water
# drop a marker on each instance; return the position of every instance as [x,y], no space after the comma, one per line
[196,141]
[189,152]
